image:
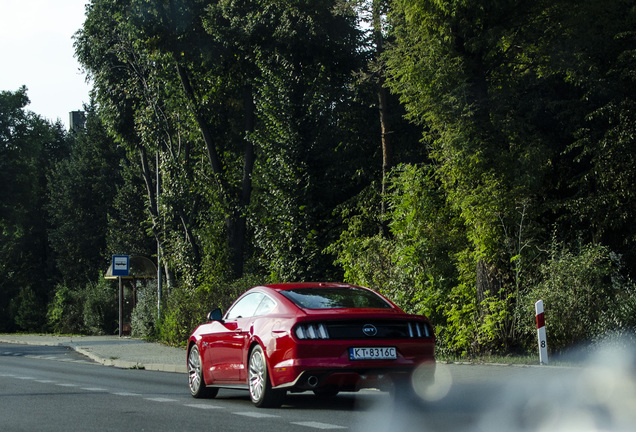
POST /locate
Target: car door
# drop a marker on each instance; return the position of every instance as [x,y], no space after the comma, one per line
[231,341]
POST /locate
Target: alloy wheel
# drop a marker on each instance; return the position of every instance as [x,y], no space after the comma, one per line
[257,375]
[194,370]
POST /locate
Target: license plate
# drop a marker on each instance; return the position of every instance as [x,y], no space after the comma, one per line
[373,353]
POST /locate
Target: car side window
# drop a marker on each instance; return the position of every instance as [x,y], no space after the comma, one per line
[245,307]
[266,306]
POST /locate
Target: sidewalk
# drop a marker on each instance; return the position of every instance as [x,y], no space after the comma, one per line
[126,353]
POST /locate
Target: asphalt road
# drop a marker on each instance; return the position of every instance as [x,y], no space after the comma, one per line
[55,389]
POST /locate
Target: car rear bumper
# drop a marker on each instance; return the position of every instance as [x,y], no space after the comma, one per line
[351,380]
[329,365]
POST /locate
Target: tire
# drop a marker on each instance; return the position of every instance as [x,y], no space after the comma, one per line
[261,392]
[196,382]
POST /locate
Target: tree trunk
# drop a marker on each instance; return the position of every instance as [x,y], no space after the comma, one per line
[237,223]
[154,214]
[236,201]
[383,109]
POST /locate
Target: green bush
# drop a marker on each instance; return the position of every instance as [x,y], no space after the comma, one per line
[415,265]
[65,314]
[91,309]
[584,296]
[28,315]
[184,310]
[144,315]
[100,307]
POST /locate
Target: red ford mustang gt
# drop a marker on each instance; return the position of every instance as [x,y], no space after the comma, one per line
[296,337]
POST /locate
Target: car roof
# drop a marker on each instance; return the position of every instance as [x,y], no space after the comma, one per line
[294,285]
[278,288]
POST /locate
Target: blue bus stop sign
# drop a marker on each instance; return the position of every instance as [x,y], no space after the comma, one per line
[121,265]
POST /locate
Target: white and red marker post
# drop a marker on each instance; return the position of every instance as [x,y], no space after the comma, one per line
[543,343]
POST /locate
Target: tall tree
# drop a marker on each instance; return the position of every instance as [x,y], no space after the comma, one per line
[300,56]
[81,192]
[28,147]
[154,81]
[596,56]
[134,91]
[515,98]
[372,15]
[458,68]
[243,76]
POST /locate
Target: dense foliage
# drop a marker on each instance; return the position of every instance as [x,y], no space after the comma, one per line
[464,158]
[29,148]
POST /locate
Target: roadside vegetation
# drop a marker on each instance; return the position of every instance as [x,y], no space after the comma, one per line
[465,159]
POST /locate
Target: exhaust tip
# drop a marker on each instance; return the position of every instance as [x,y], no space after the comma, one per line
[312,381]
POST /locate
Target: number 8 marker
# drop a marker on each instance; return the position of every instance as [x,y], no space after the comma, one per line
[543,344]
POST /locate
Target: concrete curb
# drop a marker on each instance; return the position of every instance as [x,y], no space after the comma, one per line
[120,353]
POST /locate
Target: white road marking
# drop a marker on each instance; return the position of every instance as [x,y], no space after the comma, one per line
[318,425]
[255,414]
[161,399]
[60,359]
[252,414]
[202,406]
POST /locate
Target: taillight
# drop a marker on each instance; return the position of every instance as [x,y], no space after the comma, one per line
[311,331]
[418,330]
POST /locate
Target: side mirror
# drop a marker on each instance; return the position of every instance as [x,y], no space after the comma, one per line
[215,315]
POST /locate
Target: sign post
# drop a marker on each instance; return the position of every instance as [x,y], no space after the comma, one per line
[121,267]
[543,342]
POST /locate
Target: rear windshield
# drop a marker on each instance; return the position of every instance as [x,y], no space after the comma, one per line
[335,298]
